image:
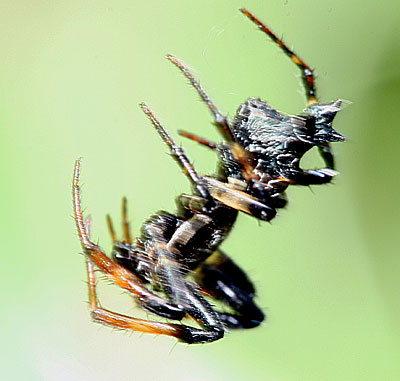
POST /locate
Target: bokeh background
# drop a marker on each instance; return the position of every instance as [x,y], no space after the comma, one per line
[327,270]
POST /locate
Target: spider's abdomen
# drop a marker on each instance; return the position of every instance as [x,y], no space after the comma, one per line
[273,138]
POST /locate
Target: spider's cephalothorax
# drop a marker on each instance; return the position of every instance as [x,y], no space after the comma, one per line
[175,265]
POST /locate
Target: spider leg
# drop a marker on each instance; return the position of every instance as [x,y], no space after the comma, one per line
[115,320]
[198,139]
[228,283]
[194,304]
[327,156]
[220,121]
[307,72]
[313,177]
[239,200]
[125,222]
[125,225]
[186,295]
[119,275]
[170,241]
[123,252]
[179,155]
[188,202]
[111,229]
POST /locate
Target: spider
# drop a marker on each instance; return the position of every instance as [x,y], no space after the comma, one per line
[175,266]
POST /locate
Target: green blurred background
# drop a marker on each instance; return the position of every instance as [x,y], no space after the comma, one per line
[71,76]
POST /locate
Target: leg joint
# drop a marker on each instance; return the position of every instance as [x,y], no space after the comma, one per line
[192,335]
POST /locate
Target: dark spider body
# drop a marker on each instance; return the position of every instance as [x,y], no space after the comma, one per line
[278,141]
[177,255]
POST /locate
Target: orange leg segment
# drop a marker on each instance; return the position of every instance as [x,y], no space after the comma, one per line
[115,320]
[307,72]
[122,278]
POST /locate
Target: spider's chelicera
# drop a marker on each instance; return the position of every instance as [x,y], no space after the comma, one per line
[175,267]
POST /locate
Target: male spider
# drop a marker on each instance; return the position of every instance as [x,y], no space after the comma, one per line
[177,255]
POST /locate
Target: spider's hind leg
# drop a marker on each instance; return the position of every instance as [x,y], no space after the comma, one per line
[129,282]
[115,320]
[116,273]
[185,294]
[125,225]
[125,222]
[123,251]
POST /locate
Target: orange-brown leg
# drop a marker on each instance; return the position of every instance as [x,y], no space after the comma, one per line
[131,283]
[111,229]
[197,139]
[307,72]
[220,120]
[125,225]
[115,320]
[116,273]
[125,222]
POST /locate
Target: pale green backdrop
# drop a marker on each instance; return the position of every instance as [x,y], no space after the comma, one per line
[327,270]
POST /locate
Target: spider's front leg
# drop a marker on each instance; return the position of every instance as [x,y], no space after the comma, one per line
[220,120]
[307,73]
